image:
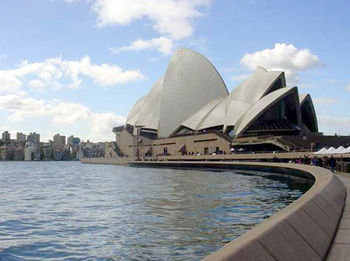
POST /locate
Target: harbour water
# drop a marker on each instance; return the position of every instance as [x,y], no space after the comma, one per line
[72,211]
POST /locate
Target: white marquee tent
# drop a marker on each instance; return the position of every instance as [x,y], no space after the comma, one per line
[332,150]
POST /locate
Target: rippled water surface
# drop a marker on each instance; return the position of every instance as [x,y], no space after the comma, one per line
[72,211]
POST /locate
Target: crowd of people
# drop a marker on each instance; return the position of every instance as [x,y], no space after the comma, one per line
[325,162]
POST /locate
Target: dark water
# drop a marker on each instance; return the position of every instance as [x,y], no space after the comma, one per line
[71,211]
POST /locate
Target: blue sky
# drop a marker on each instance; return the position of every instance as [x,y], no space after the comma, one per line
[77,67]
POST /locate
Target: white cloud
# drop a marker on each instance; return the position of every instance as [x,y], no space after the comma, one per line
[308,86]
[348,87]
[162,44]
[240,77]
[330,124]
[324,101]
[102,124]
[284,57]
[37,85]
[169,17]
[61,115]
[57,73]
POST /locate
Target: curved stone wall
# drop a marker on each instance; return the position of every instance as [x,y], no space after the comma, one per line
[304,230]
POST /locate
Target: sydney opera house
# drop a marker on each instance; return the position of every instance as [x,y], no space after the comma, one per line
[190,111]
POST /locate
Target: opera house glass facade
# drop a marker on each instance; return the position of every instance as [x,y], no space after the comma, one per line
[190,103]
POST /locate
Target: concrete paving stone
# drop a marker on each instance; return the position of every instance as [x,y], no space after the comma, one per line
[311,232]
[253,252]
[331,211]
[342,237]
[339,182]
[346,214]
[339,252]
[344,224]
[336,198]
[284,243]
[336,184]
[347,206]
[334,191]
[347,202]
[320,217]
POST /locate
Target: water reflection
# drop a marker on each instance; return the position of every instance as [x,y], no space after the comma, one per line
[70,211]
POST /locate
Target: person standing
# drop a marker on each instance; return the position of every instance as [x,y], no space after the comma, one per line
[332,163]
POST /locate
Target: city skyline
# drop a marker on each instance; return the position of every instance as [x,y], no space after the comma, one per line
[78,66]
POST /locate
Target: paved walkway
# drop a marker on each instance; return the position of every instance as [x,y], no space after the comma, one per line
[340,249]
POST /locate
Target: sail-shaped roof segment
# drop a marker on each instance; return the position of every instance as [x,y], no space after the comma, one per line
[195,121]
[216,116]
[135,112]
[259,84]
[150,113]
[266,103]
[146,110]
[232,107]
[190,83]
[308,113]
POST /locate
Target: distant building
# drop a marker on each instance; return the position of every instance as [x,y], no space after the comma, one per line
[31,151]
[71,141]
[34,137]
[92,150]
[46,151]
[6,136]
[12,151]
[21,137]
[57,155]
[59,140]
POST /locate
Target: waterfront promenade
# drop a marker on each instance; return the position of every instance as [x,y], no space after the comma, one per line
[268,157]
[340,250]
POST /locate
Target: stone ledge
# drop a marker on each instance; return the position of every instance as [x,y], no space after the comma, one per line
[107,161]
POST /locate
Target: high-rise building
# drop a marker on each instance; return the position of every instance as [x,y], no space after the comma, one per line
[21,137]
[34,137]
[31,151]
[59,140]
[6,137]
[71,141]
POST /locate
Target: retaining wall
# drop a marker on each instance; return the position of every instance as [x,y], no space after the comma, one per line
[304,230]
[109,161]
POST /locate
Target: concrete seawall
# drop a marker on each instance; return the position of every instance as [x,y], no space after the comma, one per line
[304,230]
[108,161]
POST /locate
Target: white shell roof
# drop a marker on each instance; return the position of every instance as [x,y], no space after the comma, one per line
[193,94]
[257,85]
[250,92]
[150,110]
[196,120]
[232,107]
[190,83]
[303,98]
[260,107]
[135,111]
[216,117]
